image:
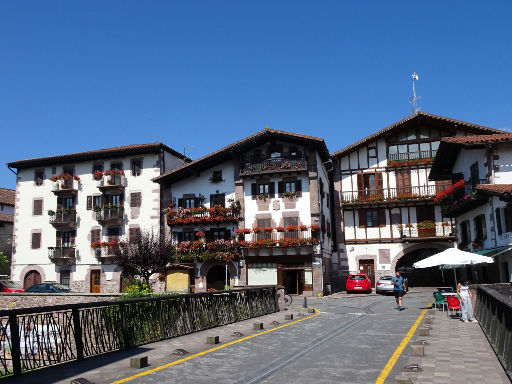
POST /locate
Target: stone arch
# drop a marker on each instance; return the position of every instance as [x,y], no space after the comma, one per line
[416,247]
[29,268]
[207,266]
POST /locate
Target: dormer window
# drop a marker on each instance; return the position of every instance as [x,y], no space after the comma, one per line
[216,177]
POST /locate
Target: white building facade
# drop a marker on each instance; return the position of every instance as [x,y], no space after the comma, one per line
[386,216]
[481,200]
[275,188]
[69,207]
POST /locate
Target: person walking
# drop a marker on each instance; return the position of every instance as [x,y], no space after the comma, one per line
[465,302]
[399,289]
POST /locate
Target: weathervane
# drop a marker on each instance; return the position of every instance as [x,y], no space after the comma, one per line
[414,101]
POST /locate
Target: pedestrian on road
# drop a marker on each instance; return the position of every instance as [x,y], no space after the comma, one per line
[399,289]
[465,302]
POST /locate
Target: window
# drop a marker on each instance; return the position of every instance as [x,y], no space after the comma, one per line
[70,170]
[289,186]
[220,234]
[118,166]
[98,167]
[480,228]
[66,238]
[465,235]
[39,176]
[96,202]
[263,223]
[38,207]
[188,203]
[372,152]
[113,233]
[262,189]
[499,226]
[216,177]
[114,200]
[65,277]
[188,236]
[218,199]
[136,167]
[291,221]
[135,199]
[475,175]
[68,202]
[36,240]
[372,217]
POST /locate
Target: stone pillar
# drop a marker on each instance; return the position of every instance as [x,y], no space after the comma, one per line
[318,276]
[280,297]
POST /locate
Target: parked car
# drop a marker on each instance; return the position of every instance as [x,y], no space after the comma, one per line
[358,282]
[384,285]
[48,288]
[10,286]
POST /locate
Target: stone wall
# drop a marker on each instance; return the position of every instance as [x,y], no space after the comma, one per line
[29,300]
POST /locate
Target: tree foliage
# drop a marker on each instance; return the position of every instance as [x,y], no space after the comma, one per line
[3,259]
[145,255]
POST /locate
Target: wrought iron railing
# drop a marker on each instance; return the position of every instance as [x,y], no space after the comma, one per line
[429,154]
[291,163]
[391,194]
[112,181]
[494,312]
[65,185]
[61,252]
[34,338]
[413,231]
[63,219]
[110,214]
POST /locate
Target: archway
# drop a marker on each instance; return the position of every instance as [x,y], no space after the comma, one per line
[31,278]
[216,278]
[424,277]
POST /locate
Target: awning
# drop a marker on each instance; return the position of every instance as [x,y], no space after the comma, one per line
[494,251]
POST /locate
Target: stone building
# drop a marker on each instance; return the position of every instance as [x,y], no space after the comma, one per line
[68,206]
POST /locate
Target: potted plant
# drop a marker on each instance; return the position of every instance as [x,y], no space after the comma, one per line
[257,229]
[263,197]
[289,195]
[314,228]
[98,175]
[97,208]
[268,229]
[51,213]
[303,227]
[280,229]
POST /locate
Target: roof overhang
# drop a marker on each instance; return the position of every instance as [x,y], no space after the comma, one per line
[443,163]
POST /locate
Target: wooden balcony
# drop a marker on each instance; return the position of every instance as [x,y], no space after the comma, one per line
[104,255]
[65,187]
[430,154]
[110,216]
[278,239]
[62,220]
[464,200]
[63,255]
[375,196]
[415,233]
[257,166]
[115,182]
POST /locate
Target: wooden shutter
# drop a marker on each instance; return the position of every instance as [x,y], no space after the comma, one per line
[360,182]
[95,235]
[180,236]
[36,240]
[73,236]
[271,189]
[197,203]
[298,187]
[498,221]
[227,234]
[38,207]
[58,238]
[362,218]
[378,184]
[89,203]
[60,202]
[382,217]
[280,187]
[254,189]
[135,199]
[180,203]
[134,234]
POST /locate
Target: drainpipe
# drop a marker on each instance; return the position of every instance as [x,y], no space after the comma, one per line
[491,151]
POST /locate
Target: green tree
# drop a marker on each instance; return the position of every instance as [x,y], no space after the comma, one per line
[3,260]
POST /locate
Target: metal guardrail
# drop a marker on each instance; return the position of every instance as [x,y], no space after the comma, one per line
[494,313]
[34,338]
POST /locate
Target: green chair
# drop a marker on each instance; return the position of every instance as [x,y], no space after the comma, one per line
[439,299]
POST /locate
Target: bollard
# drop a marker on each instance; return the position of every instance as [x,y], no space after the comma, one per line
[139,362]
[424,331]
[417,350]
[257,326]
[288,317]
[212,340]
[311,310]
[305,304]
[429,320]
[431,312]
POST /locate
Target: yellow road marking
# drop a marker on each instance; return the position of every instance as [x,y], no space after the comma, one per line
[209,350]
[398,351]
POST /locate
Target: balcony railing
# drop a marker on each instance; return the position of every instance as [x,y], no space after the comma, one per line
[429,154]
[104,254]
[62,255]
[274,164]
[202,215]
[63,219]
[391,194]
[463,199]
[116,182]
[279,239]
[65,186]
[413,231]
[110,215]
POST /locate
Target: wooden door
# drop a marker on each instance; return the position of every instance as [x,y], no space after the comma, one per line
[95,281]
[367,267]
[31,278]
[403,181]
[423,214]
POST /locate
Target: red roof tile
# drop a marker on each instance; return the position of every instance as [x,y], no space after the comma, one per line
[7,196]
[480,139]
[6,218]
[498,189]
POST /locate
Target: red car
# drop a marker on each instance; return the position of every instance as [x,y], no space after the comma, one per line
[10,286]
[358,282]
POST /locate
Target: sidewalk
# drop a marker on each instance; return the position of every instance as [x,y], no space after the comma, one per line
[457,352]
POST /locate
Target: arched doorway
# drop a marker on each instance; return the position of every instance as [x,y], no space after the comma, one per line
[216,278]
[31,278]
[424,277]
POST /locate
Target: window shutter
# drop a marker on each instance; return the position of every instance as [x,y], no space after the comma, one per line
[58,238]
[60,202]
[134,234]
[382,217]
[360,182]
[378,183]
[271,189]
[280,187]
[298,187]
[228,234]
[38,207]
[89,203]
[197,203]
[208,236]
[135,199]
[73,235]
[254,189]
[95,235]
[362,218]
[36,240]
[180,203]
[180,236]
[484,228]
[498,221]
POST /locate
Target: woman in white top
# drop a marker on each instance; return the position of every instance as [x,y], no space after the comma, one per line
[465,302]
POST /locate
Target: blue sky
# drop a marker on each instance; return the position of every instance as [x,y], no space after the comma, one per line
[81,75]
